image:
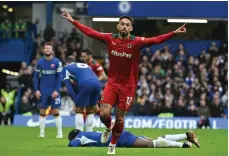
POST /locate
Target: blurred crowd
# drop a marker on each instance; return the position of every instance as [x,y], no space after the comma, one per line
[178,84]
[10,30]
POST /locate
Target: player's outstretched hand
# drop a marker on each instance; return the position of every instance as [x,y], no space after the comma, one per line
[38,94]
[67,16]
[182,29]
[55,94]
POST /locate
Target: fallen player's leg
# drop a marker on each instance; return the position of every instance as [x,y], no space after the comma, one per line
[142,142]
[190,136]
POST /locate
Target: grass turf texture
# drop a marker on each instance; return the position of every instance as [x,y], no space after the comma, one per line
[23,141]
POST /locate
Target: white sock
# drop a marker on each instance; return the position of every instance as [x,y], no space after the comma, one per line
[79,121]
[160,143]
[58,121]
[110,144]
[89,122]
[42,120]
[176,137]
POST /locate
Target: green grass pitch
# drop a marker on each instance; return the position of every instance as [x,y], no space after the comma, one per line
[23,141]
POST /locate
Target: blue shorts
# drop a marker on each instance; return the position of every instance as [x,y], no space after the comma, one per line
[47,100]
[88,93]
[127,140]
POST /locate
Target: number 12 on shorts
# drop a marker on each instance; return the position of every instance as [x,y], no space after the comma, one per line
[128,100]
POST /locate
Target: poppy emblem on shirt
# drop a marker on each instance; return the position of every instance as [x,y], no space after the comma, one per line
[113,43]
[129,46]
[52,65]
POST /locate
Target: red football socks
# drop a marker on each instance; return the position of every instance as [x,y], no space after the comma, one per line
[116,132]
[106,121]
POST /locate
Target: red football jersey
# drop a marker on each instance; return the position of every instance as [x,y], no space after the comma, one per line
[96,67]
[124,55]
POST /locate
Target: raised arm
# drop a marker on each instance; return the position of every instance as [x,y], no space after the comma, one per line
[162,38]
[104,37]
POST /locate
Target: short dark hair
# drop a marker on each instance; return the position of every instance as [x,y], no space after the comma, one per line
[87,51]
[73,133]
[48,43]
[127,17]
[70,59]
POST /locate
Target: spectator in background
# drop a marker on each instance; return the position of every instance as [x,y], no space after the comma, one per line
[49,33]
[6,111]
[26,106]
[20,29]
[25,76]
[180,107]
[142,108]
[191,108]
[147,52]
[35,27]
[8,93]
[6,30]
[74,36]
[216,109]
[213,50]
[181,54]
[204,113]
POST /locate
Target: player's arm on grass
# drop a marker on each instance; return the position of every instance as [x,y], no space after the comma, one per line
[161,38]
[104,37]
[67,82]
[75,143]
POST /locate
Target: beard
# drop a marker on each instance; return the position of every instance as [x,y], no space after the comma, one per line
[48,55]
[123,34]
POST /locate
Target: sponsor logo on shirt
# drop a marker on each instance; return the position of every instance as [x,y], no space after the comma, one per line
[48,72]
[122,54]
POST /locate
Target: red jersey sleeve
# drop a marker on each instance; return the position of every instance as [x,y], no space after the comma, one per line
[155,40]
[104,37]
[98,69]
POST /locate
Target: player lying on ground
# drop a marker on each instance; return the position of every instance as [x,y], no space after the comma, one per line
[47,83]
[127,139]
[124,55]
[86,55]
[87,91]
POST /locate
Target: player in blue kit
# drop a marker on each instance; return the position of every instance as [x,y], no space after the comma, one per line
[129,140]
[87,91]
[47,83]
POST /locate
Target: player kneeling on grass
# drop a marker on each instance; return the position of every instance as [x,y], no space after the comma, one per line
[86,93]
[127,139]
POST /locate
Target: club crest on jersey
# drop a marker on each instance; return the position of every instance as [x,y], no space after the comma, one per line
[129,46]
[52,65]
